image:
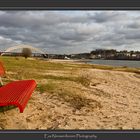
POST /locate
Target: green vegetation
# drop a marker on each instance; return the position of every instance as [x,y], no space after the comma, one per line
[5,108]
[78,101]
[26,52]
[49,87]
[85,81]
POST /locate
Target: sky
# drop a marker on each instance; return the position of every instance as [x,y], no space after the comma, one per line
[69,32]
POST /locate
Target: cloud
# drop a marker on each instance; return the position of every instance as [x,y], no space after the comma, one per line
[134,25]
[70,31]
[108,16]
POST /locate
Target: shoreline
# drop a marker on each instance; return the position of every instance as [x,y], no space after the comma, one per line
[89,61]
[74,96]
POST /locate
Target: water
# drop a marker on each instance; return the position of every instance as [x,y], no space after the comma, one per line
[133,64]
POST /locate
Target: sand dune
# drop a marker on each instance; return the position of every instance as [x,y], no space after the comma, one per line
[117,92]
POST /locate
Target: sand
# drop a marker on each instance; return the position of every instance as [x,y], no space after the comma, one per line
[117,92]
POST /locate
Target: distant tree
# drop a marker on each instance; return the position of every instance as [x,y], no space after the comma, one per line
[26,52]
[131,52]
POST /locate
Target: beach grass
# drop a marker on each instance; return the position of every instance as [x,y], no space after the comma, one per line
[19,68]
[53,77]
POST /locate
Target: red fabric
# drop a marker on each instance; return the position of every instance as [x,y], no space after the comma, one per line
[17,93]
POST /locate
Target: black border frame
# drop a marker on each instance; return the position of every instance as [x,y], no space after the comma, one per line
[70,134]
[70,5]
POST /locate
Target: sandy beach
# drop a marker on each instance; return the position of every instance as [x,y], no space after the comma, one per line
[112,99]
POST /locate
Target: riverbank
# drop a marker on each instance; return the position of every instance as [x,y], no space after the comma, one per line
[113,63]
[73,95]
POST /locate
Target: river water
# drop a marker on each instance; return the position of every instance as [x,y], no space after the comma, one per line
[127,63]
